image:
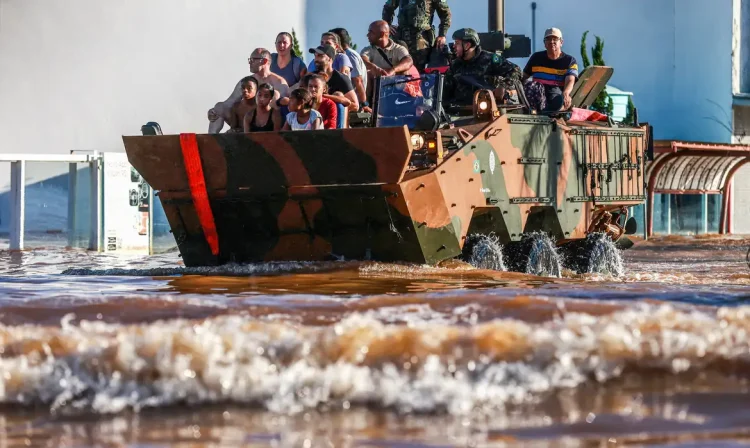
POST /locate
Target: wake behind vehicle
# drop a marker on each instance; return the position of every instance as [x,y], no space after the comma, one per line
[417,185]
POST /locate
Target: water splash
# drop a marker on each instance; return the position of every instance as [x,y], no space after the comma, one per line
[229,270]
[543,257]
[486,252]
[604,257]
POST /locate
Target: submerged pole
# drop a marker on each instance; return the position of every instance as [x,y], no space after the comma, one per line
[17,204]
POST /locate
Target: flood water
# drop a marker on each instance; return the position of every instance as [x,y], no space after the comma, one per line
[137,351]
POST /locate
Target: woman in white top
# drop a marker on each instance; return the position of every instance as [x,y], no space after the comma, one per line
[302,116]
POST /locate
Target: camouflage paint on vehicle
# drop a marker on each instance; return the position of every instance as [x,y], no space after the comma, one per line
[358,194]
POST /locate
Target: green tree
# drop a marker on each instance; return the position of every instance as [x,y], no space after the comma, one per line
[584,52]
[295,44]
[629,112]
[603,102]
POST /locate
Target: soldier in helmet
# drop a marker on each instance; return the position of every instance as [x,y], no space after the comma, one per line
[415,26]
[475,69]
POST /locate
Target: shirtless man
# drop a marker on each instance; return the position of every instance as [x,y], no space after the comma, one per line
[245,106]
[260,67]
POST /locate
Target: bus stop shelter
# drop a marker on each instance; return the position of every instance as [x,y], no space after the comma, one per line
[694,168]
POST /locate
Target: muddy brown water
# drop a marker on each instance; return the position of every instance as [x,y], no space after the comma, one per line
[133,351]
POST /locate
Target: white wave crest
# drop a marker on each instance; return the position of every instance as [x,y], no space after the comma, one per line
[418,367]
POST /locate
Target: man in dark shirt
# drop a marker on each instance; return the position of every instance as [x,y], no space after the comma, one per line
[475,69]
[340,88]
[555,70]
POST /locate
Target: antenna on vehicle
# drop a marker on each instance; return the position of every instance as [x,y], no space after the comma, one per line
[496,39]
[496,13]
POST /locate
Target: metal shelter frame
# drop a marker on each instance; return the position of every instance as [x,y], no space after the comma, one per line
[694,168]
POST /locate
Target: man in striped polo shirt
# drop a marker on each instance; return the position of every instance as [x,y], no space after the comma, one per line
[555,70]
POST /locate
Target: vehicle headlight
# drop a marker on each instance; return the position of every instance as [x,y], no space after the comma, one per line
[417,141]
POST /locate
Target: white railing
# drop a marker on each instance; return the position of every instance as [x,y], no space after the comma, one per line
[18,193]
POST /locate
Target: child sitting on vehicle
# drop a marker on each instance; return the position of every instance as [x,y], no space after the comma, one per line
[302,116]
[245,105]
[316,85]
[263,118]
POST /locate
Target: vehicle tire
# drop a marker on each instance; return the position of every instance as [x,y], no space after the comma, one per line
[535,254]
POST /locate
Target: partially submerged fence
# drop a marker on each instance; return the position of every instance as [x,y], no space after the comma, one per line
[119,204]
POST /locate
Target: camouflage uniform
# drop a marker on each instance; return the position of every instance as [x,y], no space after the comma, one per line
[488,68]
[415,25]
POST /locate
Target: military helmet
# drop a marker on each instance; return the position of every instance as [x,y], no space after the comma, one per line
[468,35]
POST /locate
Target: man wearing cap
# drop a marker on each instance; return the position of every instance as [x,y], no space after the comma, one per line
[341,63]
[475,68]
[415,26]
[555,70]
[359,70]
[340,89]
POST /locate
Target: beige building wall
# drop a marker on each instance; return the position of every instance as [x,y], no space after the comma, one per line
[78,74]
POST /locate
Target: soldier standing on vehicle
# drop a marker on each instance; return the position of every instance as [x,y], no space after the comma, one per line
[475,68]
[415,26]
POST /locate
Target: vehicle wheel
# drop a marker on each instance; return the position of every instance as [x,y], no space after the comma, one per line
[595,254]
[483,252]
[535,254]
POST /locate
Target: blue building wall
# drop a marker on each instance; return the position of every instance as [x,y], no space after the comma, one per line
[674,55]
[638,43]
[702,93]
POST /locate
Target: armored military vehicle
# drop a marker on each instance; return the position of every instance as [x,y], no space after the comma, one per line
[417,184]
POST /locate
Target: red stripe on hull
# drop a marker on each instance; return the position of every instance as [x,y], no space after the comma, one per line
[194,170]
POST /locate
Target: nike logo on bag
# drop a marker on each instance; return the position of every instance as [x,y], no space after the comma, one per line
[398,103]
